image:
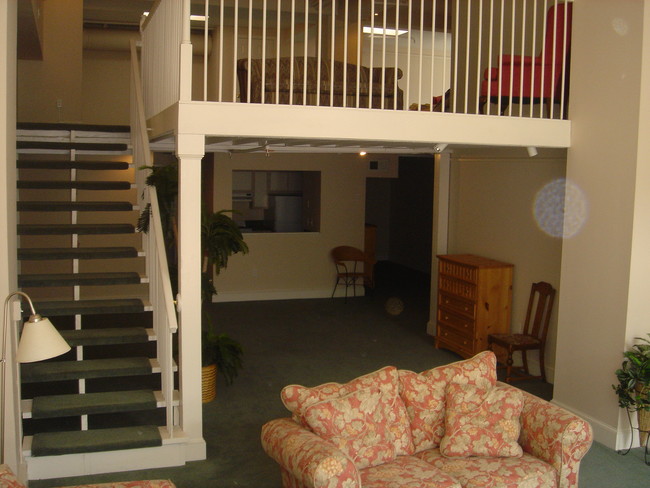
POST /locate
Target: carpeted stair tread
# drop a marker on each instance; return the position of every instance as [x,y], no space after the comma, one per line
[77,253]
[92,403]
[72,279]
[76,206]
[103,337]
[58,443]
[67,146]
[65,229]
[68,185]
[89,368]
[59,164]
[81,307]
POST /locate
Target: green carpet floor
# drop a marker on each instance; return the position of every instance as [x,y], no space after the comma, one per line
[311,342]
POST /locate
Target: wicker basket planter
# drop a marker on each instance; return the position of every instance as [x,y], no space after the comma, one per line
[208,383]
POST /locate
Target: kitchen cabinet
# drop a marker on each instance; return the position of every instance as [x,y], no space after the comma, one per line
[474,300]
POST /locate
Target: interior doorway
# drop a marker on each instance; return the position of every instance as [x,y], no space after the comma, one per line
[402,211]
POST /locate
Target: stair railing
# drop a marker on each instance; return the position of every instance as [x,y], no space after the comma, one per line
[160,291]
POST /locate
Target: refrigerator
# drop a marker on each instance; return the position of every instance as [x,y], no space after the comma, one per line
[287,213]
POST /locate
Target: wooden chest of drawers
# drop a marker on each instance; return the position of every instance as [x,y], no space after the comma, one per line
[474,300]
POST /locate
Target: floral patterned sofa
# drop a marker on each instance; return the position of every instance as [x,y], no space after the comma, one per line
[449,427]
[9,480]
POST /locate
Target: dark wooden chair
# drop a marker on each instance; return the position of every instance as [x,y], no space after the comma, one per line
[538,316]
[349,262]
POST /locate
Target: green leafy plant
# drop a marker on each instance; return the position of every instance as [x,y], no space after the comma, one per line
[633,388]
[220,239]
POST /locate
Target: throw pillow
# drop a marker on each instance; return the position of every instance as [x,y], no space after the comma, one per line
[369,426]
[298,398]
[424,394]
[482,421]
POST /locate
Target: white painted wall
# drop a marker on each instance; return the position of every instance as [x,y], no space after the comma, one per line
[295,265]
[493,193]
[603,300]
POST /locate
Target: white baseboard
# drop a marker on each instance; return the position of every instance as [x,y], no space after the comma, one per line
[249,296]
[603,433]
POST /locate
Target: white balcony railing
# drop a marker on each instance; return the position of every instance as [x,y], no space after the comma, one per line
[498,57]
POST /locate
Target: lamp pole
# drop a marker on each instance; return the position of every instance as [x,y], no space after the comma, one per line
[39,341]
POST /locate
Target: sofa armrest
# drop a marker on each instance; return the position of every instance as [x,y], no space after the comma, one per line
[312,461]
[556,436]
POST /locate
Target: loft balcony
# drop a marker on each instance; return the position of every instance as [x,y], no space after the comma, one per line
[348,75]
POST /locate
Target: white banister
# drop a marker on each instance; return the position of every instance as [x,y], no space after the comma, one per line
[160,291]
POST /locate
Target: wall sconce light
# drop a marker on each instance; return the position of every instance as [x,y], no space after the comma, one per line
[39,341]
[440,147]
[532,151]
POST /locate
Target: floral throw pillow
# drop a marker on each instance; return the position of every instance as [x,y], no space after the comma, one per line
[298,398]
[424,394]
[369,426]
[482,421]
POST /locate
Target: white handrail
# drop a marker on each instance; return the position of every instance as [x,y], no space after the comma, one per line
[165,322]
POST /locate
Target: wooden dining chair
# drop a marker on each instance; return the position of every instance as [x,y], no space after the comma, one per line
[349,262]
[538,316]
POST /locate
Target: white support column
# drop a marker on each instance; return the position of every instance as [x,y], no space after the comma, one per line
[441,175]
[190,149]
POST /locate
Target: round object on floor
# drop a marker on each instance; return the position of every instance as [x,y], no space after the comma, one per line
[394,306]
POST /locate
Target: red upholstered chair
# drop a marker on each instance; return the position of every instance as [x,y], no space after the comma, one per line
[541,75]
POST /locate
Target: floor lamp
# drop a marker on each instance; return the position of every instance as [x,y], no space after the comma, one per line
[39,341]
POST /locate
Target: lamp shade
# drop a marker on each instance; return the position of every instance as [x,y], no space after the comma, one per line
[39,341]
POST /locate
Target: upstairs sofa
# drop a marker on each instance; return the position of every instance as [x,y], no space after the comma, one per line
[308,92]
[453,426]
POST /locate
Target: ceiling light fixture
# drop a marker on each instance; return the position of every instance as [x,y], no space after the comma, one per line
[380,31]
[362,153]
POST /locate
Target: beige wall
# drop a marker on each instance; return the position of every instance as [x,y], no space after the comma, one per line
[294,265]
[58,76]
[491,214]
[605,268]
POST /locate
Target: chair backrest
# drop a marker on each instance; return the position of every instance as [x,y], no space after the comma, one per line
[342,254]
[540,305]
[558,22]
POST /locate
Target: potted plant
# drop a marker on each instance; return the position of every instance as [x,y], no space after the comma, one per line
[220,239]
[633,388]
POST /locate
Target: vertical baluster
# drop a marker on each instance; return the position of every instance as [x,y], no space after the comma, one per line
[250,49]
[420,68]
[565,27]
[444,49]
[383,56]
[332,61]
[320,52]
[533,64]
[205,51]
[408,54]
[500,81]
[396,54]
[306,54]
[345,56]
[455,90]
[277,54]
[468,41]
[543,62]
[292,49]
[479,50]
[359,46]
[263,79]
[522,56]
[221,28]
[234,57]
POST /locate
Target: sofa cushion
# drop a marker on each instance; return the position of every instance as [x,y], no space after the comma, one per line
[486,472]
[406,472]
[370,426]
[482,421]
[424,394]
[298,398]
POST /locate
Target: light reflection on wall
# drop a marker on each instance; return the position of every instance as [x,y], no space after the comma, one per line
[560,208]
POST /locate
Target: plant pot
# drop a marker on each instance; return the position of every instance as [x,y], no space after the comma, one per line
[208,383]
[643,417]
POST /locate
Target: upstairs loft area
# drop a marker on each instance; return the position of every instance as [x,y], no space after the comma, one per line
[493,57]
